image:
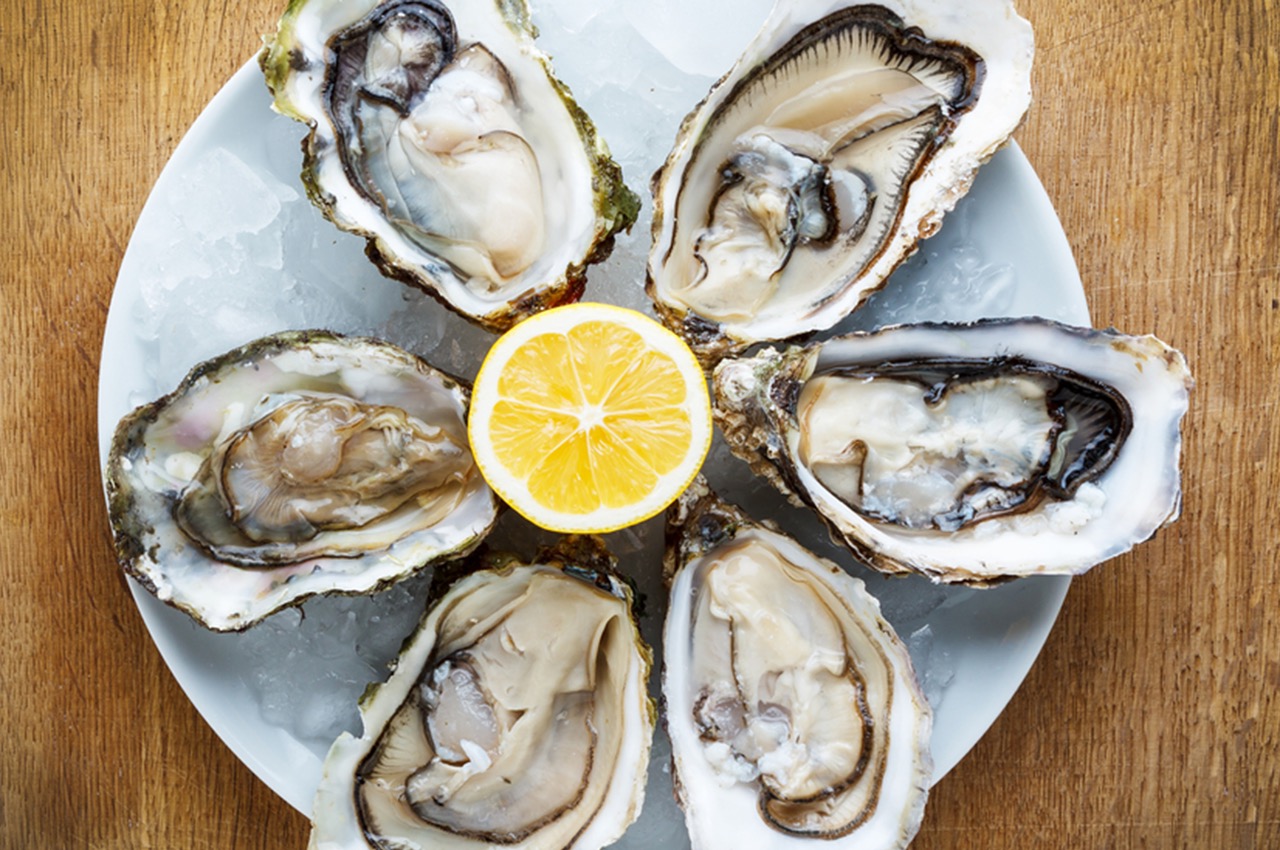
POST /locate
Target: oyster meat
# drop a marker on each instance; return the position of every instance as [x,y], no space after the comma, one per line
[517,716]
[439,133]
[971,453]
[793,709]
[811,170]
[302,463]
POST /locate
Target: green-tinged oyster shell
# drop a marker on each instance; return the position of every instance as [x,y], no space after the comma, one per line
[440,135]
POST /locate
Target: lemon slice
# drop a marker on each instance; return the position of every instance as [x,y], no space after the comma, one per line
[589,418]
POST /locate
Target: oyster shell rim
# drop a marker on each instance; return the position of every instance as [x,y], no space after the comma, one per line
[726,521]
[953,172]
[616,207]
[129,529]
[580,557]
[750,435]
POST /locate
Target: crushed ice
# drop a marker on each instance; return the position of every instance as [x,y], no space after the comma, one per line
[240,252]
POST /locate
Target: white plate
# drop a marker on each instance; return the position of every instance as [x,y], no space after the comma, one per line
[228,249]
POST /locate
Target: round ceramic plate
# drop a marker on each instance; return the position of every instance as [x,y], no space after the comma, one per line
[228,249]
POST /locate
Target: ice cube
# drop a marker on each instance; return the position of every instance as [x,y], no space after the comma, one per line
[698,38]
[308,666]
[932,662]
[223,197]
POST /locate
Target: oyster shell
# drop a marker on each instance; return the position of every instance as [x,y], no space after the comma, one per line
[298,464]
[971,453]
[439,134]
[517,716]
[793,709]
[811,170]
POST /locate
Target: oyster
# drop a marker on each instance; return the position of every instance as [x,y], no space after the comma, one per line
[811,170]
[971,453]
[791,703]
[517,715]
[439,134]
[298,464]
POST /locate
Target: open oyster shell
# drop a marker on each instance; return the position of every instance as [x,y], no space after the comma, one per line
[517,716]
[968,452]
[812,168]
[299,464]
[439,133]
[793,710]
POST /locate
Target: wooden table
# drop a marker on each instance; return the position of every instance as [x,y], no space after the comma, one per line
[1150,720]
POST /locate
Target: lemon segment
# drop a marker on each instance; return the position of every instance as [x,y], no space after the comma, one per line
[589,418]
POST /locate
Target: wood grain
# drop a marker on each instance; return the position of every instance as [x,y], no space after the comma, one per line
[1150,720]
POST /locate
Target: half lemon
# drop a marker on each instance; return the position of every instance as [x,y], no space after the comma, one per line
[589,418]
